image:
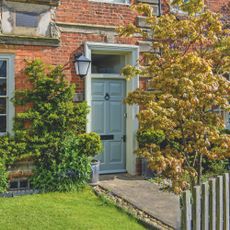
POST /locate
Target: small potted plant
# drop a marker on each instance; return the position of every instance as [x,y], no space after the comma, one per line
[91,146]
[145,138]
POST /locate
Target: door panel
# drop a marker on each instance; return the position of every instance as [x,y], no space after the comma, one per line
[98,112]
[98,90]
[108,120]
[102,156]
[116,152]
[115,115]
[116,89]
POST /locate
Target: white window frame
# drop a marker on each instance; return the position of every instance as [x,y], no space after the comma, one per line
[10,84]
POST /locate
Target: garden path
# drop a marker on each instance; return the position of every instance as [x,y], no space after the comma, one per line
[145,196]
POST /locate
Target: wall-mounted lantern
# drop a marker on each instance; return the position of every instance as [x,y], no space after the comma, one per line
[81,65]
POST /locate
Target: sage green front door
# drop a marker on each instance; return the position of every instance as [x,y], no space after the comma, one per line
[108,120]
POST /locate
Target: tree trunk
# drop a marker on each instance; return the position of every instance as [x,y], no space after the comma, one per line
[193,181]
[199,180]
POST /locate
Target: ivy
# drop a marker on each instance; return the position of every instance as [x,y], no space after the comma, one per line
[50,130]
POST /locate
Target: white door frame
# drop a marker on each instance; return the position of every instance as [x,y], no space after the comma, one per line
[132,54]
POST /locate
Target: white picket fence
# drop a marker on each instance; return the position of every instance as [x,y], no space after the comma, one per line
[206,207]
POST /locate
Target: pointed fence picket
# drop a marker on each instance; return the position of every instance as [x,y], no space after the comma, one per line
[207,206]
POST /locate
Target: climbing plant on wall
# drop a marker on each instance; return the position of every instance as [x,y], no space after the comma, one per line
[52,128]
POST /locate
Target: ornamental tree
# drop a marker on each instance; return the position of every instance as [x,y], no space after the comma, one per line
[185,68]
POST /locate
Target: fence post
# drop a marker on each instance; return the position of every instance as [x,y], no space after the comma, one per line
[226,201]
[209,206]
[196,208]
[205,206]
[219,199]
[186,211]
[212,206]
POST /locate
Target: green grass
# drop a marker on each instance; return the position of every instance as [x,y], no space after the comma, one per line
[80,210]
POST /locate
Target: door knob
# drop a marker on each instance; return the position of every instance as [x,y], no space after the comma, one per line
[107,96]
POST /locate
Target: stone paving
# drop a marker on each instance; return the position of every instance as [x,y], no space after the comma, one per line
[146,196]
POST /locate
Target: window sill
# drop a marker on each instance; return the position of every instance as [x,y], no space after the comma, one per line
[40,2]
[25,40]
[3,134]
[179,12]
[175,10]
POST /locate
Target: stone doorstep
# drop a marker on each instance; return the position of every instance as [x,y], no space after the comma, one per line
[147,220]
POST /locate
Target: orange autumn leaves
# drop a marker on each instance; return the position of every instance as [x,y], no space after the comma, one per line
[188,80]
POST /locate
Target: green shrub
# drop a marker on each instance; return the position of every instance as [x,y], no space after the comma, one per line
[226,131]
[90,144]
[50,111]
[150,136]
[3,176]
[9,152]
[69,171]
[52,128]
[215,167]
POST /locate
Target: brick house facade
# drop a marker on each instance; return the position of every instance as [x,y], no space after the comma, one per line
[55,31]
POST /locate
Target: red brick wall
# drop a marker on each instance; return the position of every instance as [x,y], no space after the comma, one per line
[64,55]
[215,5]
[89,12]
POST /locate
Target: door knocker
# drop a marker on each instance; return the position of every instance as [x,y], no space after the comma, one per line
[107,97]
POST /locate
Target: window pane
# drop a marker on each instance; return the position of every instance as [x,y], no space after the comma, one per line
[2,87]
[106,63]
[2,124]
[26,19]
[2,68]
[2,105]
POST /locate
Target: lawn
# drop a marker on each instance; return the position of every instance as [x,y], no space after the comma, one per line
[82,210]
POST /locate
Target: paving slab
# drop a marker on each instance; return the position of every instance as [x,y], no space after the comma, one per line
[146,196]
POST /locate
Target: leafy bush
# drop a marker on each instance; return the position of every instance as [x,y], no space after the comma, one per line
[216,167]
[9,151]
[3,176]
[150,136]
[52,128]
[90,144]
[70,170]
[50,111]
[226,131]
